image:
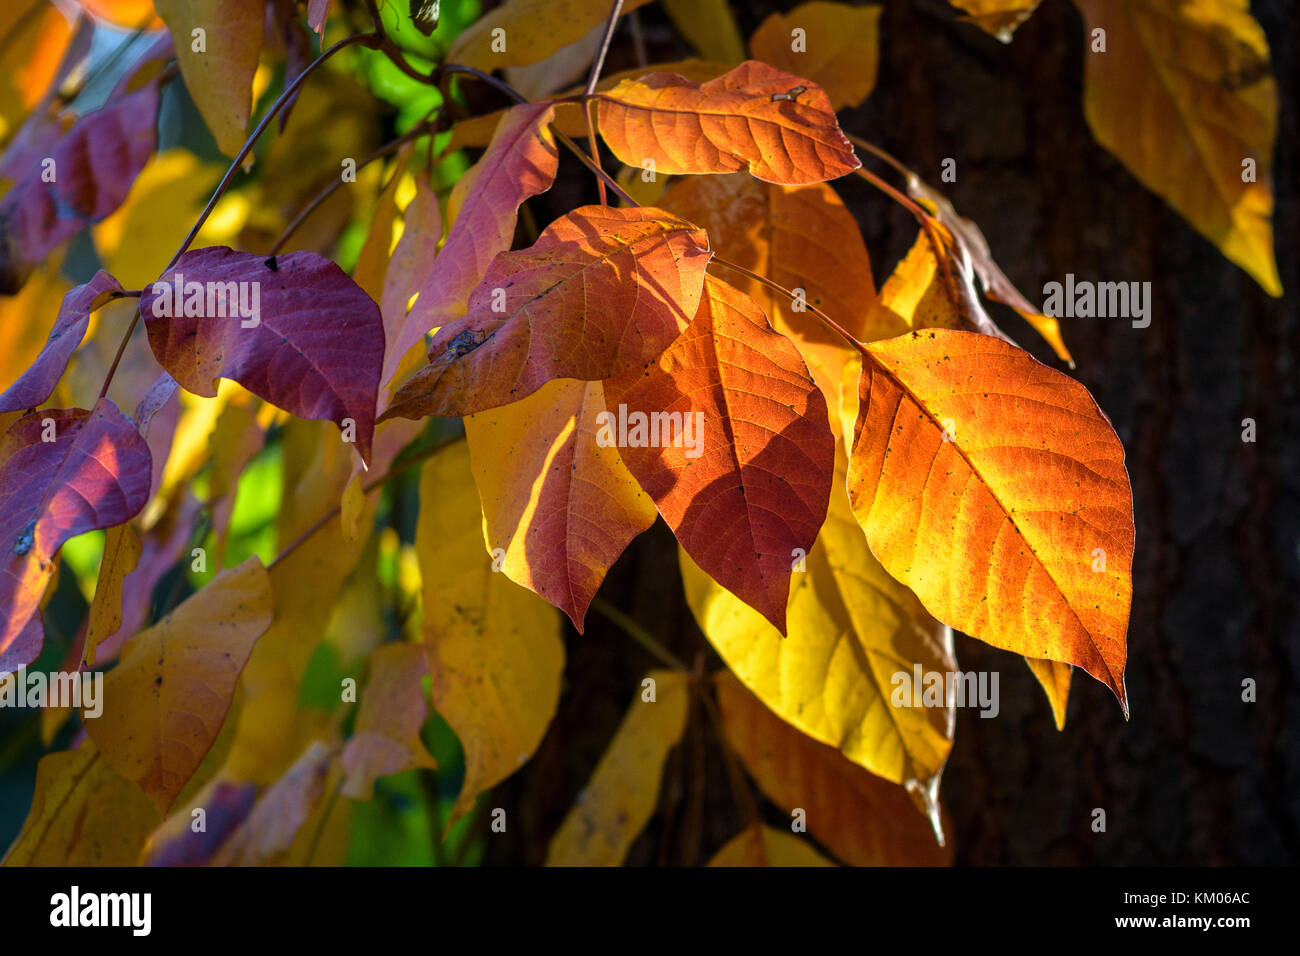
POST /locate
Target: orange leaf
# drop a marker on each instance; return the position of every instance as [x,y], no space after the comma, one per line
[519,163]
[997,18]
[779,127]
[861,818]
[561,506]
[601,292]
[800,237]
[738,454]
[1055,680]
[994,487]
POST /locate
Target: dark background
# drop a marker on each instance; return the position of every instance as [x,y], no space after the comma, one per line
[1196,776]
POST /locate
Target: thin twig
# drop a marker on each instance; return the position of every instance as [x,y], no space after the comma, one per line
[285,97]
[637,633]
[879,153]
[368,487]
[414,133]
[593,78]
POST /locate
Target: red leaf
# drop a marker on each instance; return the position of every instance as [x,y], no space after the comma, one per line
[94,167]
[93,474]
[601,292]
[35,385]
[315,348]
[519,163]
[756,486]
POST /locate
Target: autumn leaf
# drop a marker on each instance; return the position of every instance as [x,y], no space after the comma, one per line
[495,652]
[965,244]
[519,32]
[94,165]
[38,381]
[219,75]
[315,346]
[761,845]
[852,630]
[734,446]
[778,126]
[165,701]
[122,550]
[63,472]
[710,27]
[837,47]
[561,506]
[997,18]
[995,489]
[800,237]
[386,737]
[620,797]
[406,271]
[175,842]
[519,163]
[271,729]
[265,836]
[862,819]
[1209,109]
[1054,678]
[602,291]
[83,814]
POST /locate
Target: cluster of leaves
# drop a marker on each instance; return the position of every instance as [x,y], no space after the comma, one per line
[874,468]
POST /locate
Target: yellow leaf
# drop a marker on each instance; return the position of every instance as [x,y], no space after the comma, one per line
[1054,677]
[136,241]
[83,814]
[851,628]
[709,27]
[862,819]
[121,555]
[1199,71]
[495,651]
[165,702]
[761,845]
[217,45]
[620,797]
[836,45]
[306,583]
[519,32]
[563,508]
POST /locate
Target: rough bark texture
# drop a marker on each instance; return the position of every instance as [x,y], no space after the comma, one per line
[1197,776]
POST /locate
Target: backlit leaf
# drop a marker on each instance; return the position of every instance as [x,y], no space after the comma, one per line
[561,506]
[519,32]
[484,206]
[165,701]
[220,76]
[778,126]
[862,819]
[315,349]
[852,629]
[92,473]
[998,18]
[602,291]
[995,489]
[1208,103]
[734,446]
[38,381]
[1054,677]
[495,651]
